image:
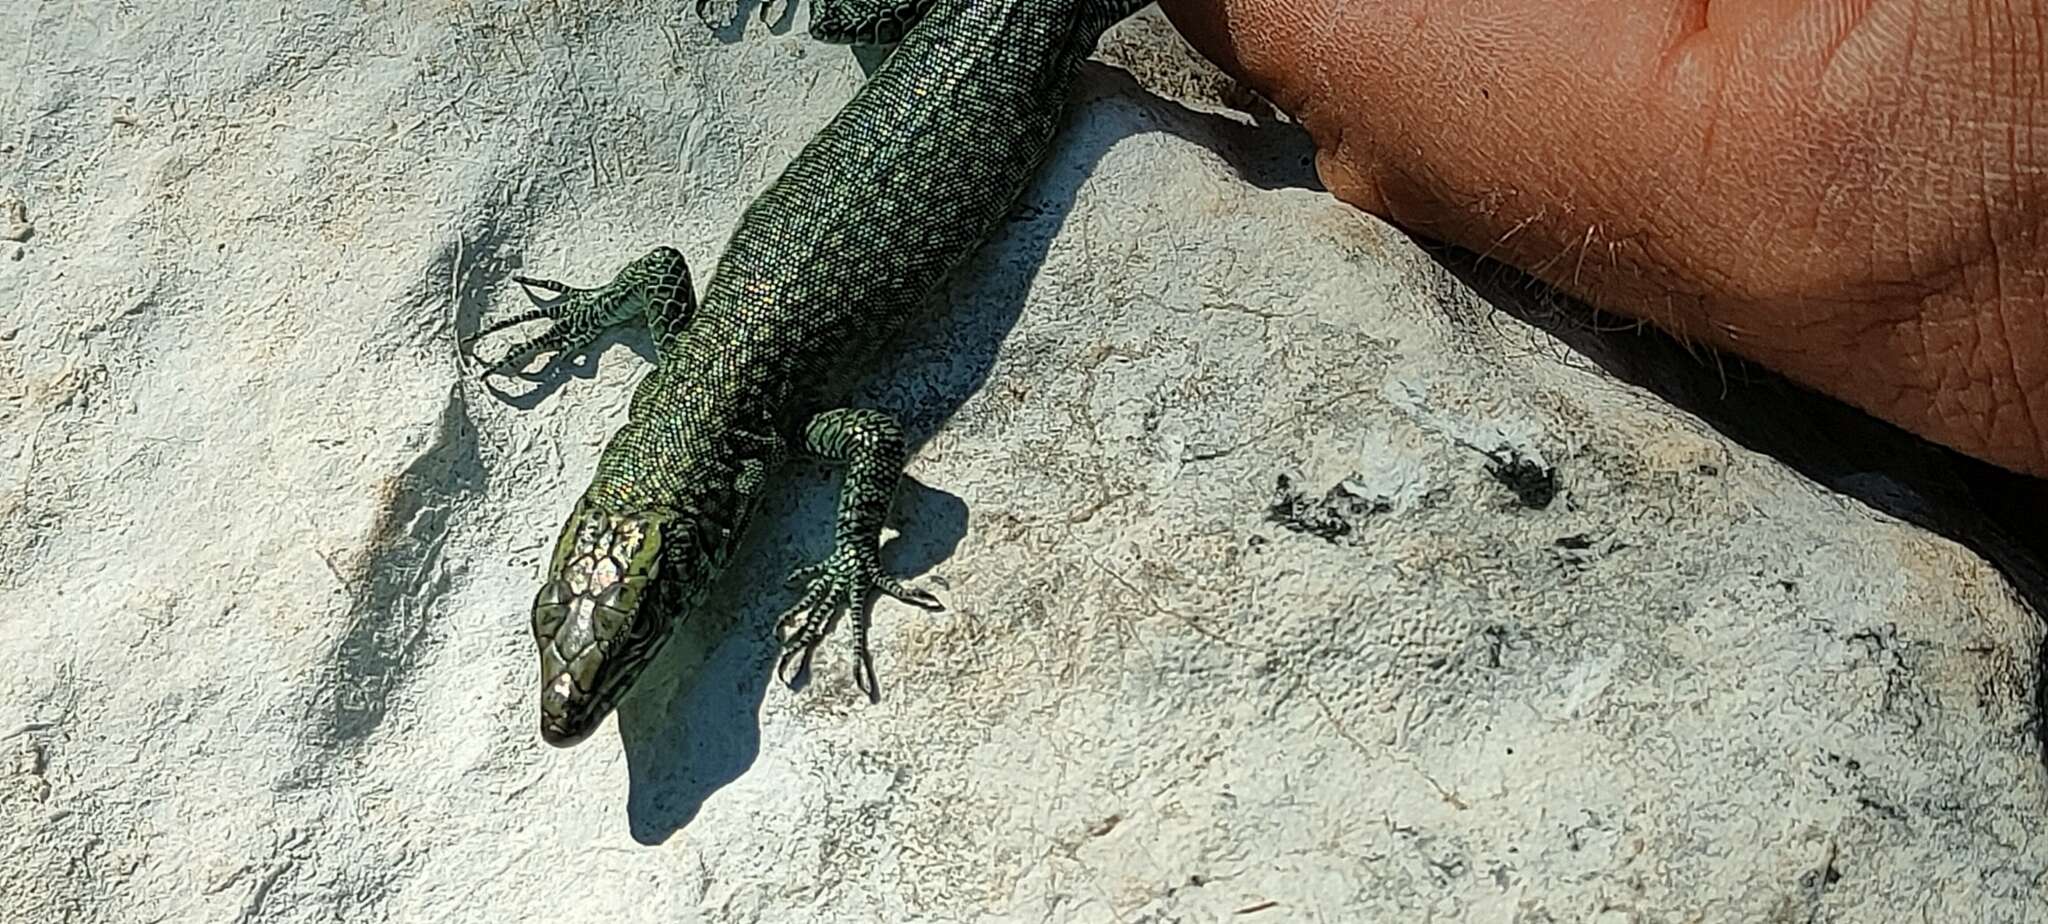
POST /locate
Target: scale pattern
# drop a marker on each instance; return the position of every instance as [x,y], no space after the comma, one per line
[825,267]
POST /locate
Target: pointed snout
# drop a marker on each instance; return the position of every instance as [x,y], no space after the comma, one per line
[561,725]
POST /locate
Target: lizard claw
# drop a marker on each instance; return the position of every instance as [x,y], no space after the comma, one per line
[548,285]
[576,317]
[834,587]
[803,576]
[656,285]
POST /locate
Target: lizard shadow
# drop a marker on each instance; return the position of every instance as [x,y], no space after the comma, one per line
[693,724]
[734,29]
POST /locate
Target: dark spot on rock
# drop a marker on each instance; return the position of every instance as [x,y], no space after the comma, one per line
[1534,484]
[1337,514]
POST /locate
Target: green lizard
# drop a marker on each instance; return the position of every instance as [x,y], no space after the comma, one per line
[862,226]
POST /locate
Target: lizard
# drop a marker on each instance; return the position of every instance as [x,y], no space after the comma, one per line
[824,267]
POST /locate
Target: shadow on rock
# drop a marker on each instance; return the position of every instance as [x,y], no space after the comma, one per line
[727,19]
[692,725]
[1993,512]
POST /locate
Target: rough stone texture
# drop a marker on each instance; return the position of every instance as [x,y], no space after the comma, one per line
[1515,641]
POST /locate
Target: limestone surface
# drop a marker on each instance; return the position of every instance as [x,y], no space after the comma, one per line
[1288,579]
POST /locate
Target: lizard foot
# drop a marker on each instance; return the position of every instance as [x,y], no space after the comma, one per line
[833,587]
[656,285]
[579,316]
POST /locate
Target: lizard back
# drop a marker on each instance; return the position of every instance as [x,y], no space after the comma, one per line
[896,191]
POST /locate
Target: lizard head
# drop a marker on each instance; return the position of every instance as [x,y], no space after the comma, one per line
[599,618]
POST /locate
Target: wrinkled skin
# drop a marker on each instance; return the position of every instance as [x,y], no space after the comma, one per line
[1851,193]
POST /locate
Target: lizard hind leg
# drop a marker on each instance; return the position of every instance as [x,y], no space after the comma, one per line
[655,286]
[870,445]
[861,23]
[865,22]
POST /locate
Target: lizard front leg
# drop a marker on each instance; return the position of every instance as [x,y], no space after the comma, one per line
[870,445]
[655,287]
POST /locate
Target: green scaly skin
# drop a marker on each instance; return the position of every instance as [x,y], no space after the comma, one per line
[824,268]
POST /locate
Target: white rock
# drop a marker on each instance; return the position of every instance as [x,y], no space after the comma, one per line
[265,547]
